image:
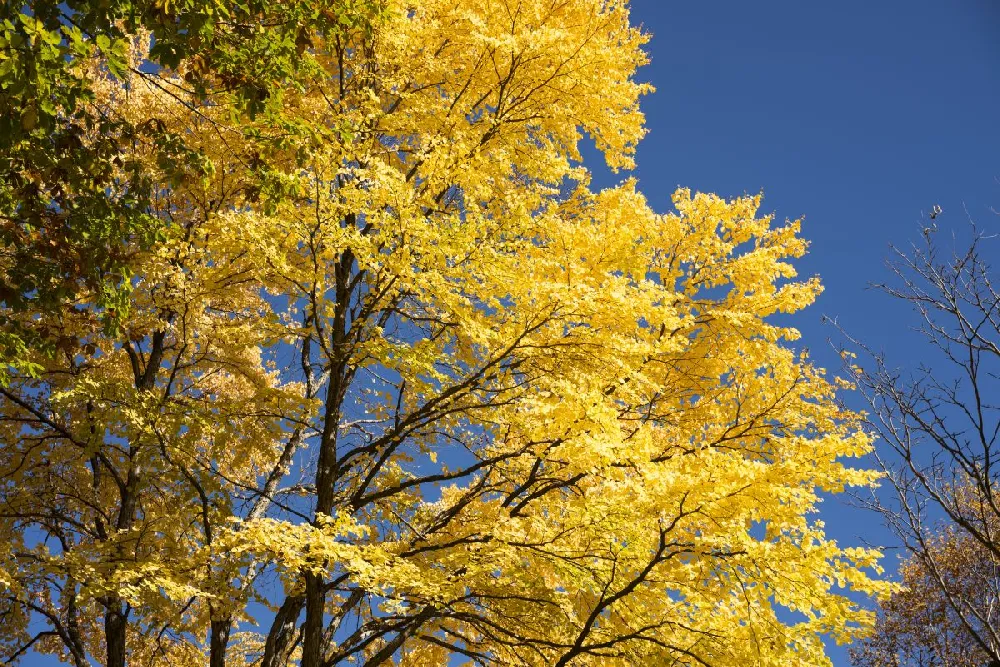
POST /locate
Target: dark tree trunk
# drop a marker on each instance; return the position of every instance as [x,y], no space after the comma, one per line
[218,641]
[326,469]
[280,639]
[312,631]
[115,623]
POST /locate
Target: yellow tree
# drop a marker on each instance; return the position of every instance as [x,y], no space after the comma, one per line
[402,388]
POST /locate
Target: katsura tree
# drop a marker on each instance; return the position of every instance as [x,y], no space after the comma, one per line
[939,427]
[408,390]
[74,209]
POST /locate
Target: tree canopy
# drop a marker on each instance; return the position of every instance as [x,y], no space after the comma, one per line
[939,426]
[396,385]
[943,614]
[74,208]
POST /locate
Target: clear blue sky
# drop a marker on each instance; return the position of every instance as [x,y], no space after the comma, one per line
[858,115]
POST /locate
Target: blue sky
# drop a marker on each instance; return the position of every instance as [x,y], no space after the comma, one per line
[858,116]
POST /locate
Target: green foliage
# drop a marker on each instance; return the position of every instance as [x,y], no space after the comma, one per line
[74,208]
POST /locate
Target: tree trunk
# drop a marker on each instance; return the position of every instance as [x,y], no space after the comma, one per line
[312,631]
[281,637]
[218,642]
[326,473]
[115,623]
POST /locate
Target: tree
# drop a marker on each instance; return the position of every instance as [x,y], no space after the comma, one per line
[921,625]
[73,212]
[411,391]
[940,428]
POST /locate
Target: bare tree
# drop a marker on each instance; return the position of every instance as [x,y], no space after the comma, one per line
[938,427]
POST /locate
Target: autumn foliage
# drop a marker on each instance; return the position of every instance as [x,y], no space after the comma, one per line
[397,386]
[943,614]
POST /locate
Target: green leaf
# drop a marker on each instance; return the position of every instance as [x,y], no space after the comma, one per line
[29,117]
